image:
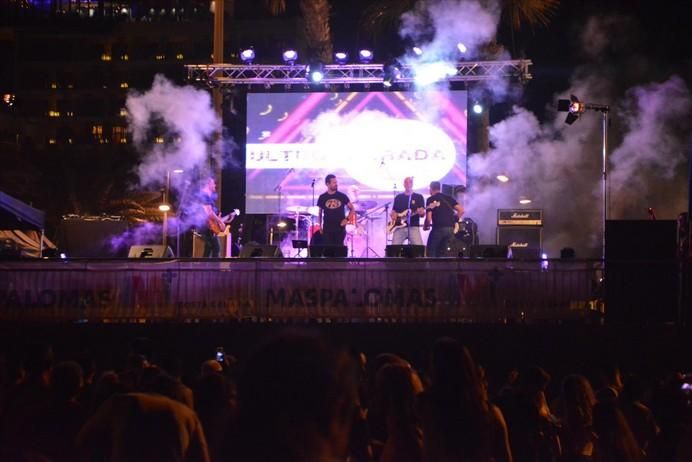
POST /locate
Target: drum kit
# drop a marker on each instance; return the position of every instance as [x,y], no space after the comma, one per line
[301,223]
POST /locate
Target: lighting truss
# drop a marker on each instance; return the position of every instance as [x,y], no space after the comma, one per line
[224,75]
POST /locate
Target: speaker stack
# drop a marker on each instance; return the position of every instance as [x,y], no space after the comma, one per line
[520,230]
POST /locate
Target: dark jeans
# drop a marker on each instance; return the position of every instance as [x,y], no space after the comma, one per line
[211,244]
[439,240]
[334,237]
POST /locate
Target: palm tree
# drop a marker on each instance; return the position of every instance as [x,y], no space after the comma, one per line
[318,33]
[384,15]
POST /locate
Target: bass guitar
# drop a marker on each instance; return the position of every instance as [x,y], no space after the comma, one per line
[215,227]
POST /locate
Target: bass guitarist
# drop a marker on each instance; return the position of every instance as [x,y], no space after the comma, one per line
[407,210]
[213,223]
[443,212]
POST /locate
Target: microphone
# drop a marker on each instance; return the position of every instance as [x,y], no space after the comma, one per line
[652,213]
[313,183]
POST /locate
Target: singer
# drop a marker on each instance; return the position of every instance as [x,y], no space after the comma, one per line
[332,216]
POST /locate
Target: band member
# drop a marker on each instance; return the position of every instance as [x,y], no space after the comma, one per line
[212,222]
[443,212]
[407,210]
[332,217]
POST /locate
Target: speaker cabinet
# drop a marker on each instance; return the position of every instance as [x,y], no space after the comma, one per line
[488,251]
[335,251]
[642,272]
[92,238]
[260,251]
[406,251]
[150,251]
[520,236]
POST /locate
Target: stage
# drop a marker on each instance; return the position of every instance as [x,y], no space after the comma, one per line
[402,290]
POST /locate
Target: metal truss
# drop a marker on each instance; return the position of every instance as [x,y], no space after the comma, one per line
[224,75]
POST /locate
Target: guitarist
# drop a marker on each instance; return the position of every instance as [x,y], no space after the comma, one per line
[442,211]
[407,210]
[213,223]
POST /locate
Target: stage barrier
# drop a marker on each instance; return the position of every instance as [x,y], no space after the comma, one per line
[261,289]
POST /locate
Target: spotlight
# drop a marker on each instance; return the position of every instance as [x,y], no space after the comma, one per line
[502,178]
[290,56]
[573,107]
[524,201]
[392,73]
[418,51]
[247,56]
[341,57]
[315,72]
[477,108]
[462,48]
[281,225]
[164,208]
[365,56]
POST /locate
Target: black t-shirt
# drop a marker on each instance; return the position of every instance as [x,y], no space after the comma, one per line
[443,215]
[401,203]
[332,206]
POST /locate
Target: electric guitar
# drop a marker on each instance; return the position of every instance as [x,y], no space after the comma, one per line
[398,222]
[457,224]
[214,226]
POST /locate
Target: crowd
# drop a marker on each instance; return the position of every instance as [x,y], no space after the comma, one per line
[299,398]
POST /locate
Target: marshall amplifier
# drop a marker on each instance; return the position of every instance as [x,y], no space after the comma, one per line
[526,237]
[519,217]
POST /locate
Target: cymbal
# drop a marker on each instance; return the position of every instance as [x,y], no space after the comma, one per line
[365,205]
[303,210]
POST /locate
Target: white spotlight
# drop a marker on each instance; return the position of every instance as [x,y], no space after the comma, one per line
[247,55]
[524,201]
[365,56]
[341,57]
[290,56]
[477,108]
[418,51]
[502,178]
[462,48]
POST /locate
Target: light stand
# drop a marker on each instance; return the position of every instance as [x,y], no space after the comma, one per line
[575,108]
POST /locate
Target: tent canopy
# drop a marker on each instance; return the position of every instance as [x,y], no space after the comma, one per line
[15,214]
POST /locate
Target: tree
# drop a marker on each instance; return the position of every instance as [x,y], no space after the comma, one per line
[383,15]
[318,33]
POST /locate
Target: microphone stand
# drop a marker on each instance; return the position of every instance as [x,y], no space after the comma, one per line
[279,189]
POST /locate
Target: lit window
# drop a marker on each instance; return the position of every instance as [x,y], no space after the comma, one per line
[119,134]
[106,57]
[158,140]
[54,85]
[123,112]
[179,56]
[53,113]
[160,57]
[69,114]
[124,85]
[124,57]
[51,141]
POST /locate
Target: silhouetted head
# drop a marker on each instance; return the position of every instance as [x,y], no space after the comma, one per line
[296,396]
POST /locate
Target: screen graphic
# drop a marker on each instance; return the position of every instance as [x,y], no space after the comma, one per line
[371,141]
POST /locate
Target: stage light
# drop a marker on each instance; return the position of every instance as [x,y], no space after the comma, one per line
[290,57]
[418,51]
[477,108]
[524,201]
[341,57]
[365,56]
[573,107]
[164,208]
[502,178]
[462,48]
[281,225]
[315,72]
[178,170]
[392,73]
[247,56]
[63,255]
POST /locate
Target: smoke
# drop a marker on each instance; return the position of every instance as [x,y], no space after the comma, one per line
[558,166]
[182,122]
[175,129]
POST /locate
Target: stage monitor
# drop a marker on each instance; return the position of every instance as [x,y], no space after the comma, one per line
[370,140]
